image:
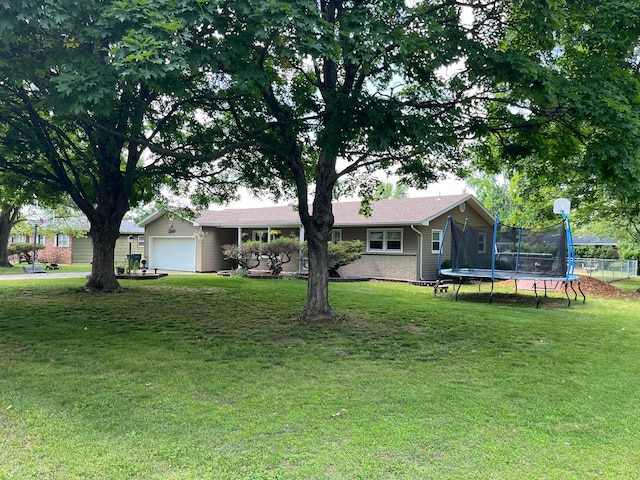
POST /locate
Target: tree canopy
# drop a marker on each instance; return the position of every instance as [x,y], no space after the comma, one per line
[74,121]
[585,142]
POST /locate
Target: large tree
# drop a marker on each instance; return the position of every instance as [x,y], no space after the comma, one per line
[15,193]
[73,121]
[325,89]
[319,90]
[590,150]
[9,216]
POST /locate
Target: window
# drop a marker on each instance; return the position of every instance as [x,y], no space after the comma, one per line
[384,240]
[394,240]
[62,240]
[263,235]
[41,239]
[259,236]
[436,239]
[482,242]
[376,240]
[336,236]
[140,241]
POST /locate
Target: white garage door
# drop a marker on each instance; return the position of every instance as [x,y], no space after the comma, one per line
[173,253]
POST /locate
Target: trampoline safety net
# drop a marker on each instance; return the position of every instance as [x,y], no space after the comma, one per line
[539,252]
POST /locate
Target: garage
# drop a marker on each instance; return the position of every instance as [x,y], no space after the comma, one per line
[175,253]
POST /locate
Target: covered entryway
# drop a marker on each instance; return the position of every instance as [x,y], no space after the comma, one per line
[174,253]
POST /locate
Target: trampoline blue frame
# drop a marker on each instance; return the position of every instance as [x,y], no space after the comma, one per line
[515,275]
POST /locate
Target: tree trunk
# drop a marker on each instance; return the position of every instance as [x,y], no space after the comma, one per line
[104,234]
[318,233]
[317,307]
[8,218]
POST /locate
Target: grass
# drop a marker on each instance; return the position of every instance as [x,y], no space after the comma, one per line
[17,268]
[197,376]
[629,285]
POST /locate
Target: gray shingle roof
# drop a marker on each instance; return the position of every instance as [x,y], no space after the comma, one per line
[405,211]
[593,240]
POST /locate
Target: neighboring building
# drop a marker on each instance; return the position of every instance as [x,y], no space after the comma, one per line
[402,236]
[593,241]
[64,248]
[82,251]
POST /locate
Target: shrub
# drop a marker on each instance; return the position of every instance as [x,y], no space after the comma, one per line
[597,251]
[246,255]
[343,253]
[279,252]
[23,250]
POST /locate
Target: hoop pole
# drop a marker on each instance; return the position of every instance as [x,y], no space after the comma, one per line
[519,243]
[571,254]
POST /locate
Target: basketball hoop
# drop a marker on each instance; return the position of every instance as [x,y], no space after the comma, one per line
[561,206]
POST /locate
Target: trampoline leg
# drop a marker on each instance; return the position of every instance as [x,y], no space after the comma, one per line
[584,299]
[516,284]
[535,290]
[459,287]
[435,288]
[491,294]
[575,294]
[566,292]
[545,288]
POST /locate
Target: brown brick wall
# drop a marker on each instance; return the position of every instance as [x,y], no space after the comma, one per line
[393,267]
[54,254]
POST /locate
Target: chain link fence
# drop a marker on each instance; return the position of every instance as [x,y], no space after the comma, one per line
[607,270]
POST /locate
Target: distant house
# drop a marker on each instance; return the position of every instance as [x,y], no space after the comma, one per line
[402,236]
[64,248]
[593,241]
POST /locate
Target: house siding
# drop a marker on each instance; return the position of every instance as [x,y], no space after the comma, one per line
[212,259]
[397,266]
[430,260]
[122,248]
[82,250]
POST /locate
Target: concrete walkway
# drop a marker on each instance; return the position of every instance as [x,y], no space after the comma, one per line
[43,276]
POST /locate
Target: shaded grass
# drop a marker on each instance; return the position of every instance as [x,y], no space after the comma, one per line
[206,377]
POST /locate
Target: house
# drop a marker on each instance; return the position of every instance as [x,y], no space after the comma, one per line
[402,236]
[594,241]
[82,248]
[65,248]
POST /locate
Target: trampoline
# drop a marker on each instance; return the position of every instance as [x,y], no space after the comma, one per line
[500,252]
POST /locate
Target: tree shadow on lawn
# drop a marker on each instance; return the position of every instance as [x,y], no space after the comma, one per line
[518,299]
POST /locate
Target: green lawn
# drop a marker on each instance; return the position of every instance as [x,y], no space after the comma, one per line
[197,376]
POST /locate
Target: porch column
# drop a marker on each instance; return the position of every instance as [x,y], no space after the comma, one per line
[239,236]
[301,266]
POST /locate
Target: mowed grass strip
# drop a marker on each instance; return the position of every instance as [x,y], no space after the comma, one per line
[198,376]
